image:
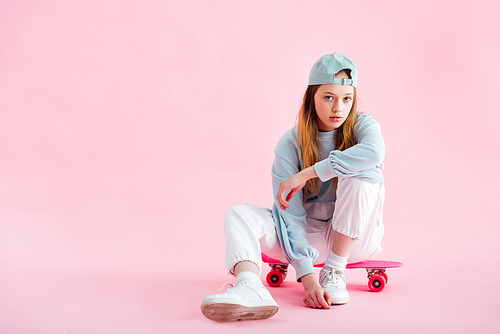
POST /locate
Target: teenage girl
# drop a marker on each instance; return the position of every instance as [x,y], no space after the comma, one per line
[329,194]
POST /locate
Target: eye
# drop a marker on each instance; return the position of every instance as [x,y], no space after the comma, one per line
[329,98]
[347,99]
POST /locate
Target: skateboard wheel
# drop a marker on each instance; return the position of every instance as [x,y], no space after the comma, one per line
[377,283]
[386,278]
[275,278]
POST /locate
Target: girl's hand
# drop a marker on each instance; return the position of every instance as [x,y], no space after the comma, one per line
[293,184]
[316,296]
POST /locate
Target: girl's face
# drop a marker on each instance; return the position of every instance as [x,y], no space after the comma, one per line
[333,103]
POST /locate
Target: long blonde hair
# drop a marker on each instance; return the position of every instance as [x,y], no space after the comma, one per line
[345,137]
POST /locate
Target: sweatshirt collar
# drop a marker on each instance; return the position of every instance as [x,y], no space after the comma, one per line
[326,135]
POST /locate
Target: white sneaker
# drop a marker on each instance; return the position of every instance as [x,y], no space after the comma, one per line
[244,301]
[334,282]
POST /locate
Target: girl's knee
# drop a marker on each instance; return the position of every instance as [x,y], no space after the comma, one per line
[354,183]
[248,218]
[234,214]
[355,188]
[240,217]
[234,211]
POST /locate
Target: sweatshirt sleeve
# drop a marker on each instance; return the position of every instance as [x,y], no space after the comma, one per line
[364,160]
[291,224]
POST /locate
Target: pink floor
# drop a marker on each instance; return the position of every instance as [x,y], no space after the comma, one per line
[415,301]
[87,258]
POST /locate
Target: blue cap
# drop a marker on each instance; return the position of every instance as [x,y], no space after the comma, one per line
[324,70]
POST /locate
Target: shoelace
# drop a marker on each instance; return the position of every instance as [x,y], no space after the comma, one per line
[228,283]
[233,285]
[333,276]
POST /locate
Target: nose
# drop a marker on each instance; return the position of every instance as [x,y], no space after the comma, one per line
[337,106]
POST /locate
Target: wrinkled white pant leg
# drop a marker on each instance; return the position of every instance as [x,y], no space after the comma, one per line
[319,228]
[358,214]
[250,230]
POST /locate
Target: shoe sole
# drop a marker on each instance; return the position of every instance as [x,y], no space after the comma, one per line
[339,301]
[225,312]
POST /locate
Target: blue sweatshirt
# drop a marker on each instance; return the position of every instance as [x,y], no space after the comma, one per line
[363,160]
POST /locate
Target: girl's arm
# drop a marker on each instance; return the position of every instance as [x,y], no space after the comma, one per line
[316,296]
[293,184]
[291,224]
[363,160]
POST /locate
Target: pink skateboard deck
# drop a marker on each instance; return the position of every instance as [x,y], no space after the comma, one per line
[377,278]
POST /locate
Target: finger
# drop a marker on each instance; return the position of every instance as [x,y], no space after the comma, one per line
[328,299]
[281,202]
[285,205]
[290,195]
[280,193]
[323,302]
[325,299]
[313,304]
[320,299]
[282,206]
[317,302]
[310,301]
[282,190]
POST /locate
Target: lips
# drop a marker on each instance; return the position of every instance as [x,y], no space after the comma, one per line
[335,118]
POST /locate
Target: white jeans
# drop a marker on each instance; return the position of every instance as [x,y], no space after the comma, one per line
[357,213]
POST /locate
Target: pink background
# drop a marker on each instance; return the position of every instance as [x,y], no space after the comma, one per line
[128,128]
